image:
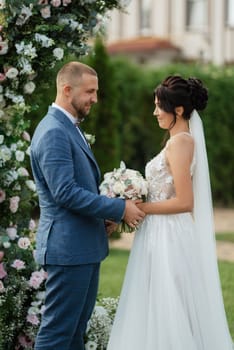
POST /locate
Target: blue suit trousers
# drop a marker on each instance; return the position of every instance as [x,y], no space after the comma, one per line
[70,298]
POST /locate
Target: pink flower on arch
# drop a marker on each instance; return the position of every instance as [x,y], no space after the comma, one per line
[14,204]
[33,319]
[45,12]
[66,2]
[26,136]
[55,3]
[36,279]
[32,225]
[25,341]
[18,264]
[3,273]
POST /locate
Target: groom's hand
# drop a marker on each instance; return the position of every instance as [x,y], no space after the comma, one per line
[111,226]
[133,215]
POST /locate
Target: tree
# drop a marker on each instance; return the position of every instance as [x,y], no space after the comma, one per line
[105,119]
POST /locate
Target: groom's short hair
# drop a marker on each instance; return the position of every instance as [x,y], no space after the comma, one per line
[72,71]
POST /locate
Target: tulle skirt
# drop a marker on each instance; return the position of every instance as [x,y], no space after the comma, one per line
[163,305]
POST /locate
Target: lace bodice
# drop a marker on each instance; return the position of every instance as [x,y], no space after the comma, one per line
[159,178]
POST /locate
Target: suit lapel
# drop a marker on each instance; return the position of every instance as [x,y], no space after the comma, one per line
[59,115]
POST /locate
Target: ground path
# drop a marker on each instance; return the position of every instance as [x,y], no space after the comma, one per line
[224,223]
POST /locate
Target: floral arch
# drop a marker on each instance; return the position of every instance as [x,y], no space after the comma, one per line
[34,35]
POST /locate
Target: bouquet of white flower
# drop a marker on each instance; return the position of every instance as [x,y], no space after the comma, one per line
[124,183]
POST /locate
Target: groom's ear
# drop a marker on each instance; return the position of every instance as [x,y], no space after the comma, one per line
[179,111]
[67,90]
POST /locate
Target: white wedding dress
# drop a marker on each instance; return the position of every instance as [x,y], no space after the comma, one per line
[163,303]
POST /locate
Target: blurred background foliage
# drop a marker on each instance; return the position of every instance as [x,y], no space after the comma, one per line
[123,120]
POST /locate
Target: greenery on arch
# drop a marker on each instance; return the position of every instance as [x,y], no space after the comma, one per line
[34,36]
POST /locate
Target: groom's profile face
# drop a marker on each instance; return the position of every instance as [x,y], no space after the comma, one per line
[84,95]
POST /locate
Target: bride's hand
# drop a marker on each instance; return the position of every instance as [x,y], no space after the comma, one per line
[141,205]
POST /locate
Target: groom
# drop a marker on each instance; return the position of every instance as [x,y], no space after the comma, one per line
[71,237]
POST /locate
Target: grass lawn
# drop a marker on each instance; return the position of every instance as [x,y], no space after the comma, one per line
[112,273]
[227,237]
[226,271]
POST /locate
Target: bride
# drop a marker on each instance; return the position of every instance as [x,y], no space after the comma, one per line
[171,297]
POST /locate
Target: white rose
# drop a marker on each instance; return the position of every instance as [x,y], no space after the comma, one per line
[31,185]
[29,87]
[24,243]
[58,53]
[136,185]
[119,188]
[2,4]
[23,172]
[13,147]
[6,245]
[5,153]
[3,46]
[40,295]
[19,155]
[33,310]
[12,73]
[12,233]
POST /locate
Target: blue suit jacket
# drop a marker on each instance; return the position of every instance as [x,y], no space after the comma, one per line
[71,228]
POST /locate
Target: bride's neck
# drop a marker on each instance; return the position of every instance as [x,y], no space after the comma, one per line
[182,126]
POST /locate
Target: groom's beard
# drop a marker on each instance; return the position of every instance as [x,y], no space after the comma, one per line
[81,110]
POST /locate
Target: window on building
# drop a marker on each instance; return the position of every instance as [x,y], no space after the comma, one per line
[230,13]
[197,14]
[145,7]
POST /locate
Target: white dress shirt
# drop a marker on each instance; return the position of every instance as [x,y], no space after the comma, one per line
[72,119]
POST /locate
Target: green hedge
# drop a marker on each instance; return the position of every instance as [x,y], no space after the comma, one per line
[126,129]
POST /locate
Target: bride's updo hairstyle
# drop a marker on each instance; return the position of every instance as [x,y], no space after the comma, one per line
[175,91]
